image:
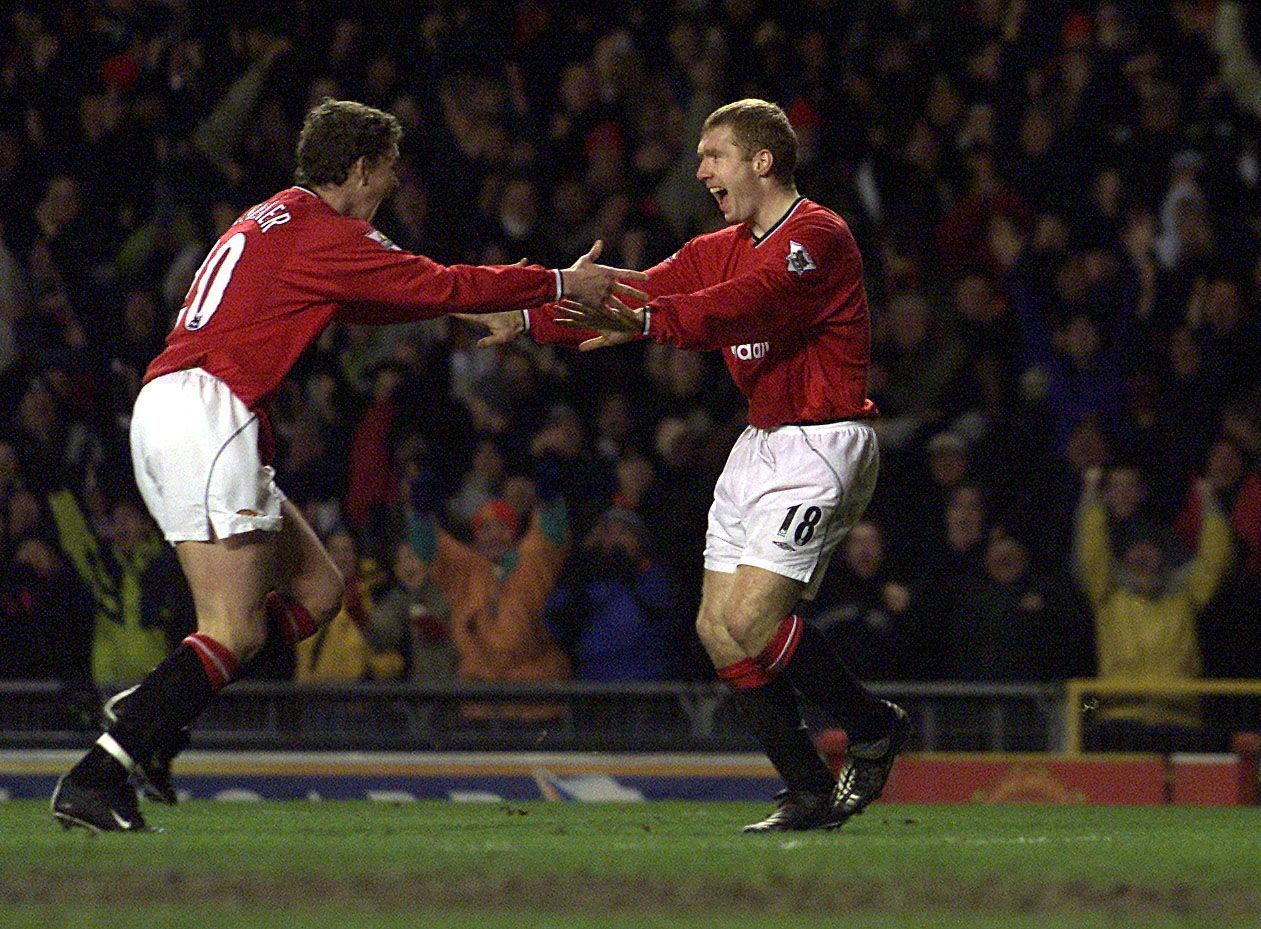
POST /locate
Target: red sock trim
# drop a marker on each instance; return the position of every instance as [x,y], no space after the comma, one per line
[220,664]
[779,650]
[292,619]
[744,675]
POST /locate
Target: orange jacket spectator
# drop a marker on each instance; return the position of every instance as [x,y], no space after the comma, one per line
[497,588]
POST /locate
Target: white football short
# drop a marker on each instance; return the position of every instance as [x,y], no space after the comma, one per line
[194,448]
[787,497]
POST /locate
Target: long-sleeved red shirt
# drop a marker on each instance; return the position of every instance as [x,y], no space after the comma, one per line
[290,265]
[787,309]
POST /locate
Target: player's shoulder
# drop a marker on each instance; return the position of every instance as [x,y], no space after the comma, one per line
[823,230]
[321,222]
[717,240]
[811,215]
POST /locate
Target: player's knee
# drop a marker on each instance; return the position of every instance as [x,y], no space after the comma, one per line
[708,629]
[743,627]
[242,635]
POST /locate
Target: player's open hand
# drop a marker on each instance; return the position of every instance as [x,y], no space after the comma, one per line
[502,327]
[610,316]
[589,283]
[615,322]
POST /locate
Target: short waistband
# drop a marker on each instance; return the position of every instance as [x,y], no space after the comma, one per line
[830,422]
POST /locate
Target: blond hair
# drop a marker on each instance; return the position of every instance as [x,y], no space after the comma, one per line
[757,125]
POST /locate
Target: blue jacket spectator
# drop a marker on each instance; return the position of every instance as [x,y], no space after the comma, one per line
[617,616]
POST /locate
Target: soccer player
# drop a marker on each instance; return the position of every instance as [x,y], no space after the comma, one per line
[200,441]
[780,291]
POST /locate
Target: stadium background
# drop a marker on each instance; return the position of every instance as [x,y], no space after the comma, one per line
[1056,203]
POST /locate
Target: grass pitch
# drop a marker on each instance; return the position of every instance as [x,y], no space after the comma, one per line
[650,865]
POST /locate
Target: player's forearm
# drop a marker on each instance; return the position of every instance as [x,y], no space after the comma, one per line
[722,316]
[437,290]
[539,323]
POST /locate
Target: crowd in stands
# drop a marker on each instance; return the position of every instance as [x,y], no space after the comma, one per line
[1059,208]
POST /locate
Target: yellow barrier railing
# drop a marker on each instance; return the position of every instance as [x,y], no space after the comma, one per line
[1079,690]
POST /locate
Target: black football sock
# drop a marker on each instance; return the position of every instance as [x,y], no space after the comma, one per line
[819,674]
[169,699]
[770,710]
[98,769]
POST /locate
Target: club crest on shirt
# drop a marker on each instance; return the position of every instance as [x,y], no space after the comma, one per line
[799,260]
[380,237]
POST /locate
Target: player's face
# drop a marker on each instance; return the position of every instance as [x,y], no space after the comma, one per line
[864,550]
[729,176]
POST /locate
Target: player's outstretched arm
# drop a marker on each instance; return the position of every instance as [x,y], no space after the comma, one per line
[589,283]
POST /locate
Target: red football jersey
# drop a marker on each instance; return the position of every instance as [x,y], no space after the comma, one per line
[290,265]
[787,309]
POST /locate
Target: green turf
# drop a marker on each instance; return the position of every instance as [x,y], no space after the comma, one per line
[166,917]
[646,865]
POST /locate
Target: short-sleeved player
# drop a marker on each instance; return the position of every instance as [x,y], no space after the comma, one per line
[200,442]
[780,293]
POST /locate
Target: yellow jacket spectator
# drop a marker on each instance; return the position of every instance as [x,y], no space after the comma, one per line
[1146,612]
[132,632]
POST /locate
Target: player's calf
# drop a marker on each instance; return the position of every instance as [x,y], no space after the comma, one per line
[153,772]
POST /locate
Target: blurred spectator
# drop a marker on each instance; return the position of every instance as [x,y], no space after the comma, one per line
[481,483]
[1230,625]
[581,478]
[339,651]
[1015,624]
[948,461]
[914,365]
[46,626]
[869,613]
[676,503]
[496,586]
[142,609]
[412,619]
[1237,491]
[615,614]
